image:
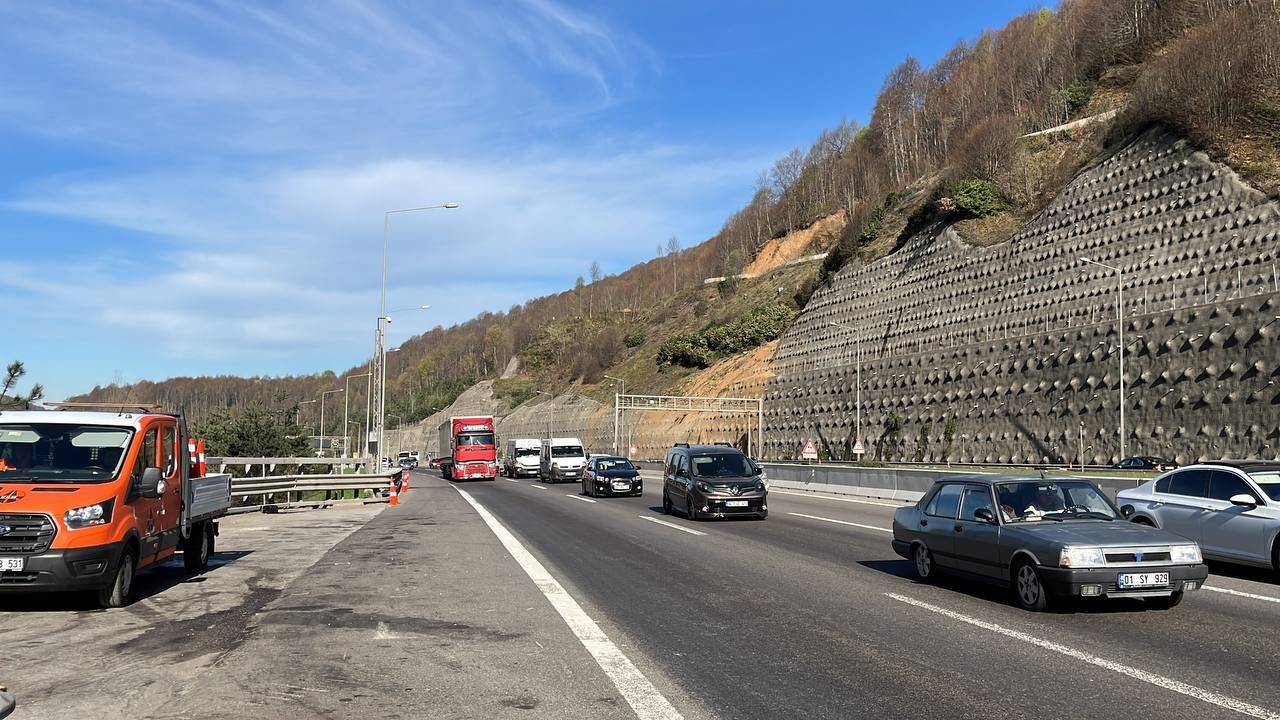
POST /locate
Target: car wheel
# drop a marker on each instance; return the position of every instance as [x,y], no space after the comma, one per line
[923,561]
[195,552]
[1164,603]
[1028,590]
[689,510]
[119,592]
[667,509]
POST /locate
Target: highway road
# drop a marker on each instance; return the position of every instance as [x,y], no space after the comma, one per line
[810,614]
[524,600]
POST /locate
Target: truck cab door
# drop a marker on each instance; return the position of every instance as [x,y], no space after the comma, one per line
[148,513]
[170,513]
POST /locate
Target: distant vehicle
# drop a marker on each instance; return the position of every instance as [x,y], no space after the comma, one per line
[434,463]
[1145,462]
[608,475]
[561,459]
[1231,508]
[521,457]
[407,459]
[712,481]
[472,448]
[93,493]
[1045,539]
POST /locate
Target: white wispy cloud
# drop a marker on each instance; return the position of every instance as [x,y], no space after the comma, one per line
[254,148]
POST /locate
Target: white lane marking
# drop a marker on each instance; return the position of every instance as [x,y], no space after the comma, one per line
[1212,698]
[511,480]
[578,497]
[384,633]
[842,522]
[670,525]
[538,487]
[640,694]
[820,496]
[1238,593]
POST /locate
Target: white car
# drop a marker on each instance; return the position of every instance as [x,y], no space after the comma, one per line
[1230,507]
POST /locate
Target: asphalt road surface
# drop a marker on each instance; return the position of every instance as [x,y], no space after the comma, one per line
[524,600]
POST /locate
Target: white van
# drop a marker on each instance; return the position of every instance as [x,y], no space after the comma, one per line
[522,457]
[562,460]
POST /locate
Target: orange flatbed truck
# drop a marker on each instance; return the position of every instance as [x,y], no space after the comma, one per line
[90,494]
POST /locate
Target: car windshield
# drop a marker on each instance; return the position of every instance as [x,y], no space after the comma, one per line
[614,463]
[566,451]
[526,452]
[41,452]
[721,465]
[475,439]
[1269,482]
[1052,500]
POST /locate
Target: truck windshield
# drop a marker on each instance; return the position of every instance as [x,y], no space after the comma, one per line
[475,439]
[54,453]
[566,451]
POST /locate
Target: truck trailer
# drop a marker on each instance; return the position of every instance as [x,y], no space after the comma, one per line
[472,450]
[90,494]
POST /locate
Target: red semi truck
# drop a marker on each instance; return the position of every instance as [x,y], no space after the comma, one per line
[469,448]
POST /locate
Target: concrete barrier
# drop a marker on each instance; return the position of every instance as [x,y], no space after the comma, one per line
[897,483]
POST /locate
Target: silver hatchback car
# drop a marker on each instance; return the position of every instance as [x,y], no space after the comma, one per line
[1230,507]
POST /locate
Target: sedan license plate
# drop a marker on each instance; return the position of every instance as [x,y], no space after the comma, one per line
[735,503]
[12,564]
[621,486]
[1142,580]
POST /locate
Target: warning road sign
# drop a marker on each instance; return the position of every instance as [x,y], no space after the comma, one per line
[859,448]
[810,451]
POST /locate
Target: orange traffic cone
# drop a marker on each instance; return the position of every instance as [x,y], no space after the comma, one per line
[395,498]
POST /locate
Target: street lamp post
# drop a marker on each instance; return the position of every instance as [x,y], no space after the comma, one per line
[379,353]
[323,434]
[1120,318]
[551,421]
[621,391]
[857,341]
[346,418]
[300,404]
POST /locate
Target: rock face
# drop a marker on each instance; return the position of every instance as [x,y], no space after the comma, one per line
[1020,342]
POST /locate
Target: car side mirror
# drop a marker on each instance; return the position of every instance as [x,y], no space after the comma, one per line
[152,483]
[985,515]
[758,470]
[1243,500]
[1127,510]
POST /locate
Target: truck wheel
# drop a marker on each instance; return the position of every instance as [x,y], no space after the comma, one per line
[120,591]
[197,549]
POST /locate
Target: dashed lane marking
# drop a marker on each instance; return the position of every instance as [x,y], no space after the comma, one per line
[640,694]
[842,522]
[579,497]
[670,525]
[1237,593]
[1182,688]
[537,487]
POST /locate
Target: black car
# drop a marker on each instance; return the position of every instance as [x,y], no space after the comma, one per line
[1145,462]
[712,481]
[608,475]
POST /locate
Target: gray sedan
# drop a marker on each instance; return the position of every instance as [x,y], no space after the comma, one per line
[1046,539]
[1231,508]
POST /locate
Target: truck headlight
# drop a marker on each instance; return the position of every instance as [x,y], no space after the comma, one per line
[89,515]
[1185,554]
[1082,557]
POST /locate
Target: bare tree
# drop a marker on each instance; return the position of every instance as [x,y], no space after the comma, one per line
[595,278]
[673,249]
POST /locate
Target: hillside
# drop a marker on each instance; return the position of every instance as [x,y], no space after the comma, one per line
[959,146]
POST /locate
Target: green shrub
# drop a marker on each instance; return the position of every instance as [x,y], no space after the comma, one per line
[634,340]
[699,350]
[978,198]
[514,390]
[1075,96]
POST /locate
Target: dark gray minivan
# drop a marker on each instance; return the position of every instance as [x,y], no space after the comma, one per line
[712,481]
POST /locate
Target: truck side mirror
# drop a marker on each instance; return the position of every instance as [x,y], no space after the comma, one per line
[152,484]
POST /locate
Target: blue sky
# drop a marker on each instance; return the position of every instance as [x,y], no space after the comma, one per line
[193,188]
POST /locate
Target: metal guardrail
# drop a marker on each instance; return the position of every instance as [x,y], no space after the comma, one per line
[222,462]
[279,491]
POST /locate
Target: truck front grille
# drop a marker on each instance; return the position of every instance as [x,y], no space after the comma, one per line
[27,534]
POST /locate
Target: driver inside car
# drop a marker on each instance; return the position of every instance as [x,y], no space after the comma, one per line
[1047,500]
